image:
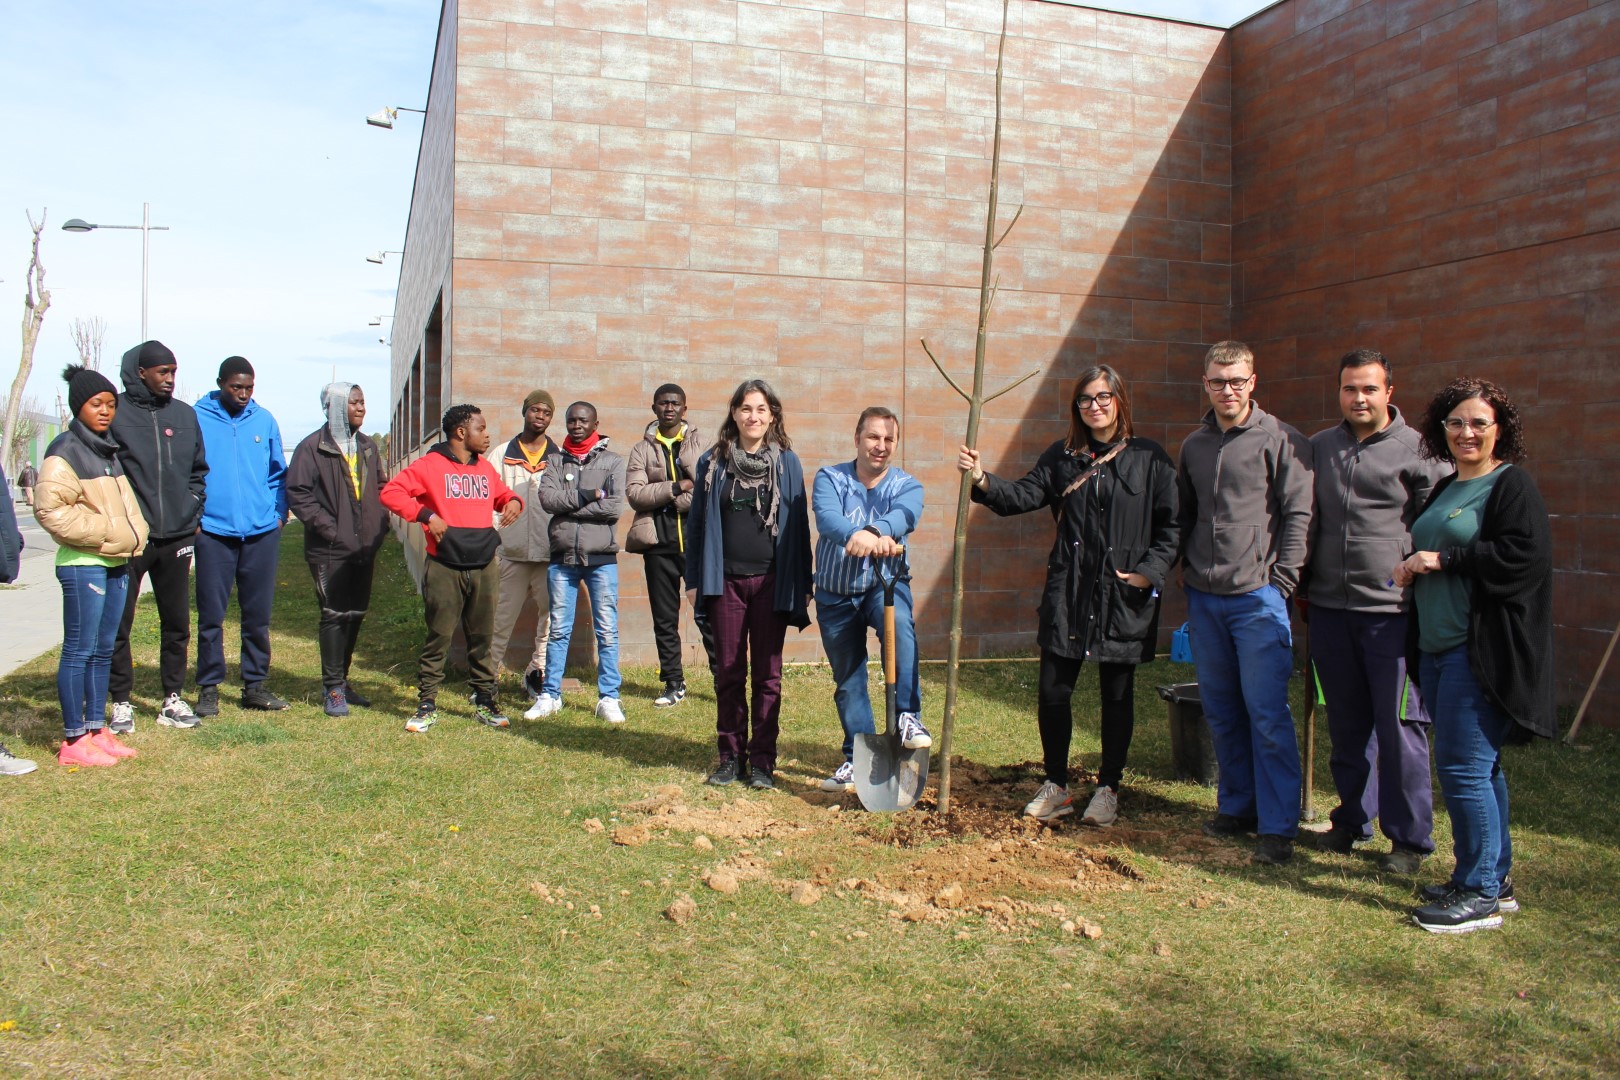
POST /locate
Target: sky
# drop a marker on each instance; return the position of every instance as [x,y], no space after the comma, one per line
[243,125]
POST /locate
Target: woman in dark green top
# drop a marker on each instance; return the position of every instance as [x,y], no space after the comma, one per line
[1481,629]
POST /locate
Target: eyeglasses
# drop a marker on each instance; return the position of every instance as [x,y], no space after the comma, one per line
[1218,385]
[1478,426]
[1102,400]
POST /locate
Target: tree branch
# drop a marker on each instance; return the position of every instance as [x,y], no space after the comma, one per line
[1012,386]
[943,372]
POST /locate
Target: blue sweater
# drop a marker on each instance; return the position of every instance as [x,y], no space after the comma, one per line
[247,470]
[844,506]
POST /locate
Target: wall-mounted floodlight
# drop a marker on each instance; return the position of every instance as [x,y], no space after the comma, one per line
[378,256]
[385,117]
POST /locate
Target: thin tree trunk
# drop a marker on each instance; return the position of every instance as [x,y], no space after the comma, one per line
[34,305]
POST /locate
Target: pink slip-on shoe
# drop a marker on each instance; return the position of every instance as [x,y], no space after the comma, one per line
[84,752]
[107,742]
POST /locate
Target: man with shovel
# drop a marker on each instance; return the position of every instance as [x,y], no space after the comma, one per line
[864,511]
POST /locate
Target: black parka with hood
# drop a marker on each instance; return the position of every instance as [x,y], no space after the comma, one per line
[160,447]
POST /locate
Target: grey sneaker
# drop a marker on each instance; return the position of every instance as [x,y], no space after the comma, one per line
[842,779]
[913,736]
[422,719]
[121,717]
[176,713]
[488,713]
[608,709]
[1050,803]
[674,694]
[1103,809]
[12,765]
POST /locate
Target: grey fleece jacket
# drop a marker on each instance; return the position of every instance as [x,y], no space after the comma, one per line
[1245,505]
[581,524]
[1367,496]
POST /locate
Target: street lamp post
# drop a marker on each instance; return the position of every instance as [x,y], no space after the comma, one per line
[79,225]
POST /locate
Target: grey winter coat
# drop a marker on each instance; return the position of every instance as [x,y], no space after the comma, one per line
[1368,493]
[1246,497]
[582,525]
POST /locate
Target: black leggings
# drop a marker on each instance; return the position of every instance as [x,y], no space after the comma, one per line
[1056,716]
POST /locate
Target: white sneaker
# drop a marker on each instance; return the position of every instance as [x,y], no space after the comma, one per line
[1103,809]
[608,709]
[842,779]
[1050,802]
[121,717]
[177,714]
[12,765]
[913,736]
[544,705]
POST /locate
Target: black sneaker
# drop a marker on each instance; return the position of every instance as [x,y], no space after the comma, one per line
[257,697]
[207,701]
[336,702]
[534,682]
[674,693]
[1459,911]
[355,697]
[761,780]
[724,773]
[1272,850]
[1340,841]
[1504,899]
[1226,826]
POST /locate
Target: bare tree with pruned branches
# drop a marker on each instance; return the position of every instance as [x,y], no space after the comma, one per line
[35,302]
[88,335]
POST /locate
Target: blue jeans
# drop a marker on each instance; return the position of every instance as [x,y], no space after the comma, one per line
[1468,736]
[1243,649]
[92,605]
[602,582]
[844,621]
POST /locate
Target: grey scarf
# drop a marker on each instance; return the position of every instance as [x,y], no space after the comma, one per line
[752,472]
[335,403]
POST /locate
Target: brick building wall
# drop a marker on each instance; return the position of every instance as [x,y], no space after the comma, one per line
[709,190]
[1441,180]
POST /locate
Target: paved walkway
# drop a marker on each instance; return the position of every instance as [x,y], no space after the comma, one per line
[31,608]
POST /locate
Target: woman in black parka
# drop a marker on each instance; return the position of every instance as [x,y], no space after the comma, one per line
[1114,498]
[333,486]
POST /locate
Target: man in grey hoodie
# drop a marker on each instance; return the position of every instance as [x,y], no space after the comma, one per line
[1370,484]
[1245,484]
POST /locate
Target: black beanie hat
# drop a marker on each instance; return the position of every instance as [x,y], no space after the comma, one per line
[234,365]
[83,384]
[154,354]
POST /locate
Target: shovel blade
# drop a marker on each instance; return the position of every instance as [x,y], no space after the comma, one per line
[888,777]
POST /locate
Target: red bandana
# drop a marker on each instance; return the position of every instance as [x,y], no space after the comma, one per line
[580,449]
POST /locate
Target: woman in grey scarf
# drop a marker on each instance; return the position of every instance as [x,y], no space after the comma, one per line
[332,487]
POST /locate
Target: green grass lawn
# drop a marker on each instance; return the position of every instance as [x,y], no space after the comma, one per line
[296,895]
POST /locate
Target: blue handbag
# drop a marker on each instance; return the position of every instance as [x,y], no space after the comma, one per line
[1181,646]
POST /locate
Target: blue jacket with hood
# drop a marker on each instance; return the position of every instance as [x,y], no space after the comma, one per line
[247,470]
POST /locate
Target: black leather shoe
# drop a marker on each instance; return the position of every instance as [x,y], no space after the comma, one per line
[1273,850]
[1226,826]
[1339,841]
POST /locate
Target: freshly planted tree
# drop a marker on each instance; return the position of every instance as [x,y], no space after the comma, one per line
[976,402]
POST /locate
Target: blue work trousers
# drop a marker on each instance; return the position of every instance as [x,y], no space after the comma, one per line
[1243,648]
[844,621]
[250,566]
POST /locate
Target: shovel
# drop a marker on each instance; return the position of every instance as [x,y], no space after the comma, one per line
[888,777]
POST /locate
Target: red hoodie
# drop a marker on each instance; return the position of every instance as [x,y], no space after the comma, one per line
[466,496]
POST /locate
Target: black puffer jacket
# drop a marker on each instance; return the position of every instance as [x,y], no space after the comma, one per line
[319,491]
[161,449]
[1122,519]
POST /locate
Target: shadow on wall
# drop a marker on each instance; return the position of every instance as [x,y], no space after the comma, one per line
[1160,296]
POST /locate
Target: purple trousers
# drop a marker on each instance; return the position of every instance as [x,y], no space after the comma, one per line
[1377,725]
[746,625]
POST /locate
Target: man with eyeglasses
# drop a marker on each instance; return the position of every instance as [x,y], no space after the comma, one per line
[1245,485]
[1370,484]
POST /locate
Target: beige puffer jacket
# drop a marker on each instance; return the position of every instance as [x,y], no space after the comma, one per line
[83,499]
[650,488]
